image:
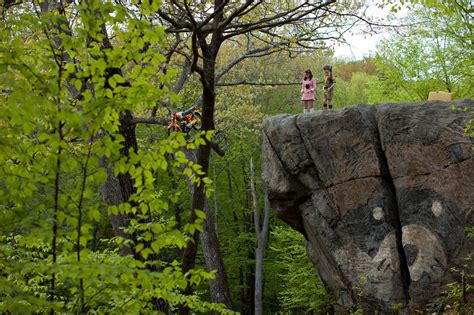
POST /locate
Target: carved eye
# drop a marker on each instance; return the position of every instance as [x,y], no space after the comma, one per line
[437,208]
[378,213]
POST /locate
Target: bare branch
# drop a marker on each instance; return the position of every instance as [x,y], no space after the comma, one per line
[185,72]
[178,24]
[194,64]
[245,82]
[155,121]
[236,13]
[283,18]
[217,11]
[164,68]
[150,121]
[217,149]
[253,83]
[371,24]
[237,60]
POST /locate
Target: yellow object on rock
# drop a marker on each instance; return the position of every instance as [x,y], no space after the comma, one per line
[440,96]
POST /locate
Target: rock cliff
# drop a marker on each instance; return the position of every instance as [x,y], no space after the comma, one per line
[383,195]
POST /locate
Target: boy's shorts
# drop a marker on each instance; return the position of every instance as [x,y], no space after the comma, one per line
[327,95]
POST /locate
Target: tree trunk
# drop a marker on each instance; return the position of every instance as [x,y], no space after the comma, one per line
[111,195]
[260,251]
[248,227]
[261,233]
[220,292]
[119,189]
[219,286]
[236,230]
[178,210]
[127,130]
[250,281]
[216,204]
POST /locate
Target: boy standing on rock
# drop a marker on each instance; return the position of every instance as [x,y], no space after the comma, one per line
[328,87]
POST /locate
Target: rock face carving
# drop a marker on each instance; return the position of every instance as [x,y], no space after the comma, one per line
[383,194]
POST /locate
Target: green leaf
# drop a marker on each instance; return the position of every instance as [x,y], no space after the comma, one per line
[200,214]
[109,93]
[94,214]
[78,84]
[139,247]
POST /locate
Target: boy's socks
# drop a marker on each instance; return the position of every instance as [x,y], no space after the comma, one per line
[330,106]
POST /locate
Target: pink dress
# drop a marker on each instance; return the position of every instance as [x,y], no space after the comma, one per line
[307,90]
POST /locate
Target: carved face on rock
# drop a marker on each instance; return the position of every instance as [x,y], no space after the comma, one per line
[354,241]
[384,229]
[424,252]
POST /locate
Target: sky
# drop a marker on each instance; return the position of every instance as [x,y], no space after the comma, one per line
[358,46]
[362,45]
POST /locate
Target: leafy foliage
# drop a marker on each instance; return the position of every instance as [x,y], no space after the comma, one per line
[66,88]
[300,290]
[433,58]
[60,141]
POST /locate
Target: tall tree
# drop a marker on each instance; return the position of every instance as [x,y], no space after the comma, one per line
[266,26]
[261,232]
[199,31]
[67,100]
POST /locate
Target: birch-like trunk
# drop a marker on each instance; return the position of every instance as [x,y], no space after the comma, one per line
[261,234]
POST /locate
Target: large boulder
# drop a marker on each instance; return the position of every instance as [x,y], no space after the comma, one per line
[383,194]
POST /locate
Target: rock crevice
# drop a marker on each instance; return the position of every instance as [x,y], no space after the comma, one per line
[382,195]
[404,269]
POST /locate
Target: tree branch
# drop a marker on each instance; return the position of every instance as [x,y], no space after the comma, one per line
[237,60]
[217,11]
[245,82]
[253,83]
[217,149]
[236,13]
[179,25]
[360,18]
[279,19]
[150,121]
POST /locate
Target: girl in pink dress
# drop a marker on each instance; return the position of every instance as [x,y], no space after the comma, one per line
[307,92]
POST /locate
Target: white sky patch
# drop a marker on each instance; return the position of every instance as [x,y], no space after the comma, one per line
[360,44]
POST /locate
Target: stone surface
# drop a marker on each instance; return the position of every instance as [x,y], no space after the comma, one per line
[383,195]
[343,145]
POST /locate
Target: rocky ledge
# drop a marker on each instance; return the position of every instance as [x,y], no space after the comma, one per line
[383,195]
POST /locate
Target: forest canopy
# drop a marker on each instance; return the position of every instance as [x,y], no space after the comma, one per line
[103,211]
